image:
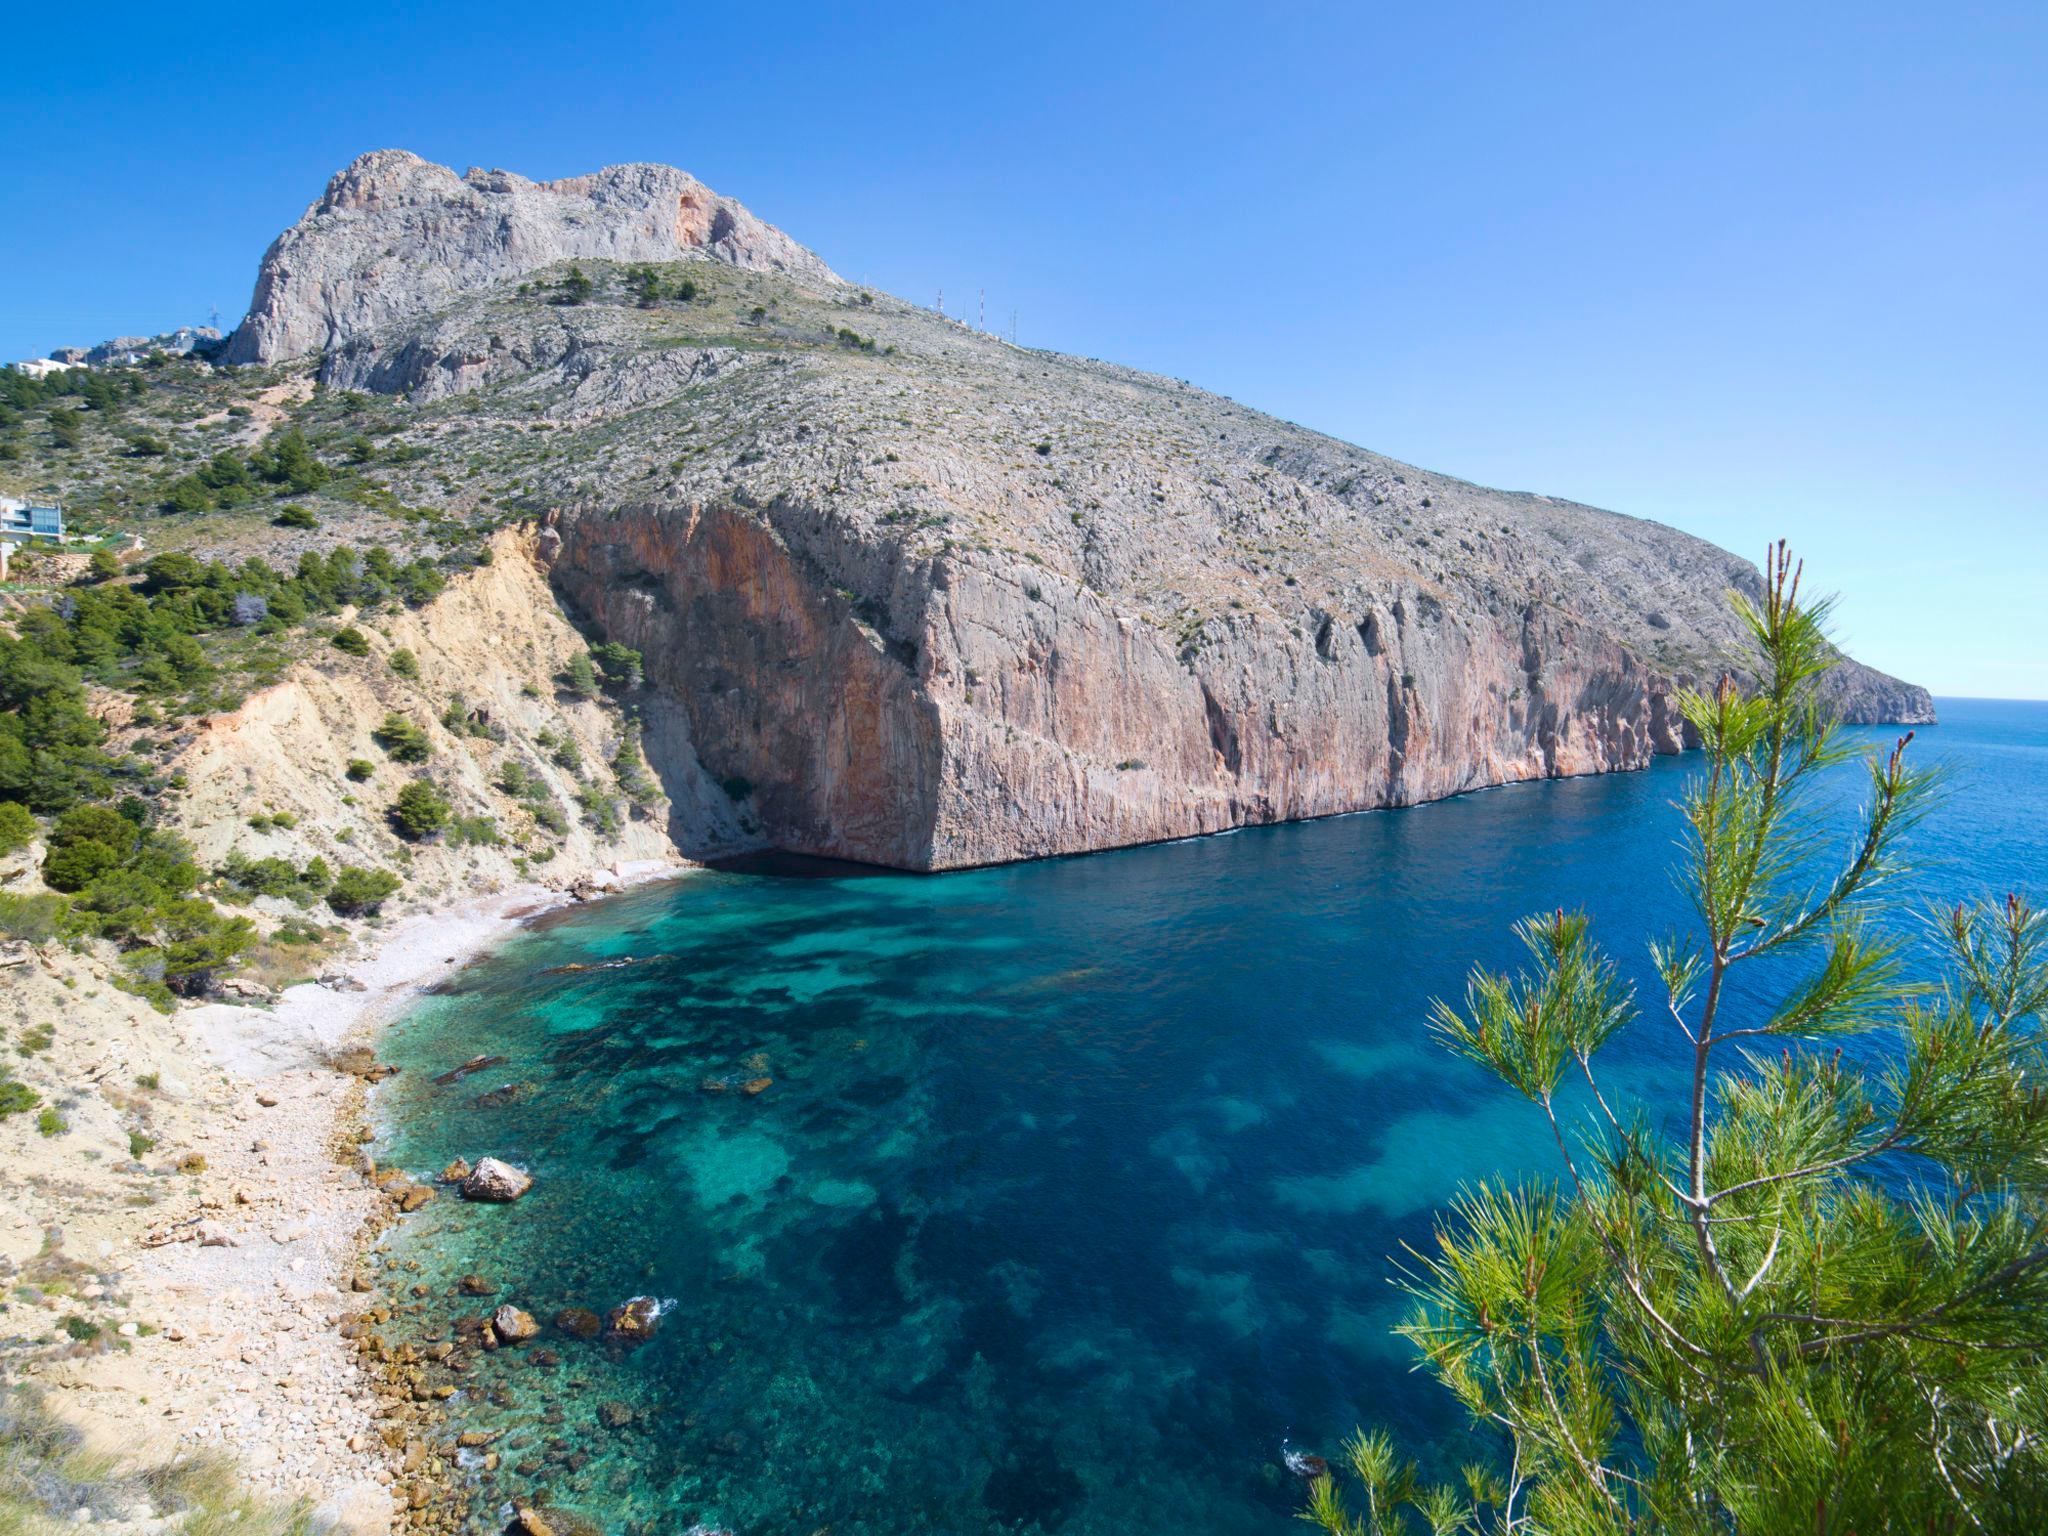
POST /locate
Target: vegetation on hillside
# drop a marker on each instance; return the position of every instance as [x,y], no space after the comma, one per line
[1810,1293]
[50,1483]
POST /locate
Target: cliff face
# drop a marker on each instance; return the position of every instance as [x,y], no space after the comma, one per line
[1017,717]
[915,596]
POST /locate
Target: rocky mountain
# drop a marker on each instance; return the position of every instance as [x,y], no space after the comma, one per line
[393,235]
[911,595]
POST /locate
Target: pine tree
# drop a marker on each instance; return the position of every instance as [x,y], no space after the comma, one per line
[1821,1306]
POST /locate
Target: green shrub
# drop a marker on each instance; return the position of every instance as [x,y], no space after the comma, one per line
[51,1122]
[359,769]
[139,1145]
[15,1098]
[351,641]
[467,831]
[621,665]
[36,919]
[420,810]
[579,678]
[404,741]
[404,663]
[359,892]
[17,827]
[295,517]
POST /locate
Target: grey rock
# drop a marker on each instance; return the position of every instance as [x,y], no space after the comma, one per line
[495,1181]
[394,236]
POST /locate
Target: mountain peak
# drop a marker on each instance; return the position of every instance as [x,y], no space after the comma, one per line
[394,235]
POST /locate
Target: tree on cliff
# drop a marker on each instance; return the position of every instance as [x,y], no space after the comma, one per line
[1822,1305]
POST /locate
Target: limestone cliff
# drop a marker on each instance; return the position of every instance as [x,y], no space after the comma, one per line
[395,236]
[916,596]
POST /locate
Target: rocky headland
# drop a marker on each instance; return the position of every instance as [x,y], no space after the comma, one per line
[927,599]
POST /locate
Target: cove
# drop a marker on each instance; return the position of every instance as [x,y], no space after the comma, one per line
[1077,1188]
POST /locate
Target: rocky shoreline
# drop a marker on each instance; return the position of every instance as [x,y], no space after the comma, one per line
[241,1305]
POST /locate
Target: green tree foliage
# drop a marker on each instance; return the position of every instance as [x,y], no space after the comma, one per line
[621,665]
[579,678]
[403,740]
[351,641]
[405,664]
[243,877]
[295,516]
[575,287]
[359,892]
[360,769]
[104,565]
[420,811]
[1809,1293]
[17,827]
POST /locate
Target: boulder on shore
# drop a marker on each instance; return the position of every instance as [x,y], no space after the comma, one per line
[496,1181]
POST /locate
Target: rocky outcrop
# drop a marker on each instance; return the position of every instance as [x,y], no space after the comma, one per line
[910,595]
[395,236]
[496,1182]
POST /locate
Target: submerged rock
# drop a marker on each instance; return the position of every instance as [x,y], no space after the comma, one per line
[634,1321]
[474,1064]
[495,1181]
[508,1093]
[754,1085]
[475,1285]
[1302,1464]
[579,1323]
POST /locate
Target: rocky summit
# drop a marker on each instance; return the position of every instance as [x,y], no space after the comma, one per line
[913,595]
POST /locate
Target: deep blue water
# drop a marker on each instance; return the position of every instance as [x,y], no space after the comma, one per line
[1075,1190]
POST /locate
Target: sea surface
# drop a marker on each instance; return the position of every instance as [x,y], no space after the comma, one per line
[1078,1188]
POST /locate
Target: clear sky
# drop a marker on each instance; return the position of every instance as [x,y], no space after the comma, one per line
[1749,269]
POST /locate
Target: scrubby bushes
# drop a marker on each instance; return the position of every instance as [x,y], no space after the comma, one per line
[286,466]
[420,810]
[17,827]
[359,892]
[403,740]
[244,877]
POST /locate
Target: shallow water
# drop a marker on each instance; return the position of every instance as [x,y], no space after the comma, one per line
[1074,1192]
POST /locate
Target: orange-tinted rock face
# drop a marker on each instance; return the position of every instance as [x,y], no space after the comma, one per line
[994,713]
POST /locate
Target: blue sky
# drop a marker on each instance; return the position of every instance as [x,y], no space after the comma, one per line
[1751,270]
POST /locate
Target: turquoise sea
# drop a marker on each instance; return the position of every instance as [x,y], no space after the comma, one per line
[1074,1194]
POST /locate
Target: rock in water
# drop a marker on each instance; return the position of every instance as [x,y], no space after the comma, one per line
[513,1326]
[1041,604]
[579,1322]
[635,1321]
[495,1181]
[1303,1464]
